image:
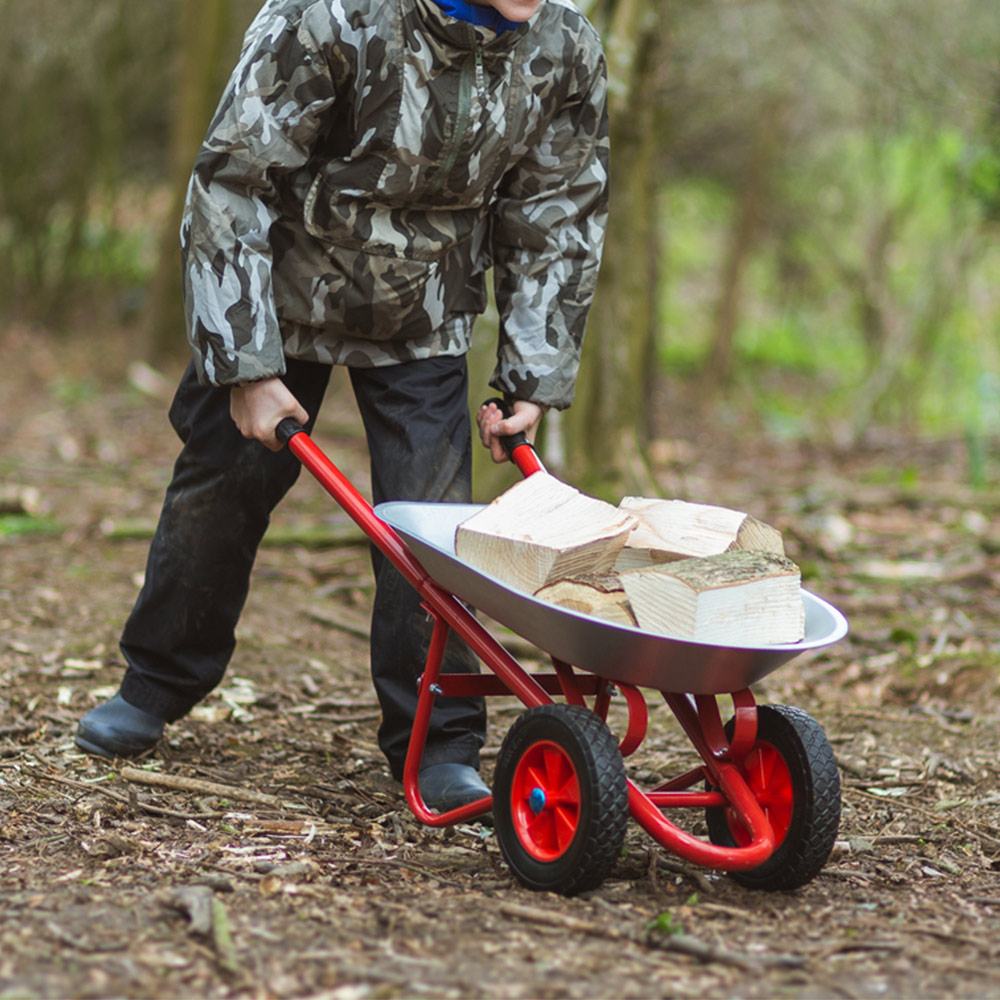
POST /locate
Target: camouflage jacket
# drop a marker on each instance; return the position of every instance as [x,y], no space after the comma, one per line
[368,162]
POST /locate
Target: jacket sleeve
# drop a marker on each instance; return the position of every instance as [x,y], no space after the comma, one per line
[266,124]
[548,236]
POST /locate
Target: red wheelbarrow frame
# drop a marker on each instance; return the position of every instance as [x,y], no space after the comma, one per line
[699,717]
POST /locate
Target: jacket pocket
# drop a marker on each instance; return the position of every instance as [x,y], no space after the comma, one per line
[389,272]
[357,221]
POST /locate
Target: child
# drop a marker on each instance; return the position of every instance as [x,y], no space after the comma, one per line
[368,162]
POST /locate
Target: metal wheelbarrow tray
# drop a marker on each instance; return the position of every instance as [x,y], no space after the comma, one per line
[767,781]
[616,652]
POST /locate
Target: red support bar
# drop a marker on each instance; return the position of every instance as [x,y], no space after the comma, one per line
[487,685]
[682,781]
[700,722]
[686,800]
[568,683]
[603,701]
[744,726]
[684,845]
[418,738]
[515,678]
[638,719]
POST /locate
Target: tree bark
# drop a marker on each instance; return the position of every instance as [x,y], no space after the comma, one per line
[608,425]
[203,34]
[748,211]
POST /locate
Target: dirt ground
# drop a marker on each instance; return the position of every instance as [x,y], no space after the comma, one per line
[303,874]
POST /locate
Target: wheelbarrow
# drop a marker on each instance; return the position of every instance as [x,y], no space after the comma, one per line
[767,781]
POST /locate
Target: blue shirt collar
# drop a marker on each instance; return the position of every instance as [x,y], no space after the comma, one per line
[487,17]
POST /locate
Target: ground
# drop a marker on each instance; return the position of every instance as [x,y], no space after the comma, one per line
[300,871]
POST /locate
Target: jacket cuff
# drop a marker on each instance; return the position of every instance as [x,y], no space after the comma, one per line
[222,367]
[551,391]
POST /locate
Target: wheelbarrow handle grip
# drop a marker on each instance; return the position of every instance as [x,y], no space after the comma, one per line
[287,429]
[510,441]
[519,449]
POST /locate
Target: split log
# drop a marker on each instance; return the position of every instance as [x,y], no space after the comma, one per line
[602,596]
[675,529]
[541,530]
[731,599]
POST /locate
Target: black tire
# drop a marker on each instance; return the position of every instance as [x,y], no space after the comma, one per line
[560,799]
[812,816]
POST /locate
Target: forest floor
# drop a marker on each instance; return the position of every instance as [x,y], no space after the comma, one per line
[303,874]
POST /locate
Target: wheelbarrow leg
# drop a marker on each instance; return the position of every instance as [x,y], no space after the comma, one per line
[428,690]
[701,722]
[773,802]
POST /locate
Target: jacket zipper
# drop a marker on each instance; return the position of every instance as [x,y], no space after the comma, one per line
[471,70]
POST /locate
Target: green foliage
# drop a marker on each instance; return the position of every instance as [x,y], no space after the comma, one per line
[881,276]
[26,525]
[902,636]
[72,391]
[665,923]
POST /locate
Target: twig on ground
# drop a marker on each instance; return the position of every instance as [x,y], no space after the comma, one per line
[181,784]
[844,947]
[78,944]
[566,921]
[328,618]
[950,937]
[132,803]
[18,729]
[676,868]
[343,719]
[195,902]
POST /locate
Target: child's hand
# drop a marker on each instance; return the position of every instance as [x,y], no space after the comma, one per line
[258,407]
[492,426]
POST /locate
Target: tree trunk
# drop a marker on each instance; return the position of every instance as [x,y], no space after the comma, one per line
[202,39]
[608,424]
[747,214]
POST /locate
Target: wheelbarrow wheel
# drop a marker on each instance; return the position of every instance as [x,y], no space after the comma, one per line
[793,773]
[560,799]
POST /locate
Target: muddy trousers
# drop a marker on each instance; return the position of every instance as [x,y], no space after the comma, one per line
[180,635]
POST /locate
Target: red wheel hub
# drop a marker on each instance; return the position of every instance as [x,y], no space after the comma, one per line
[768,777]
[545,801]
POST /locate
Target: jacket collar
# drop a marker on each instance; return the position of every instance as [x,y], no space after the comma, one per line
[445,20]
[476,13]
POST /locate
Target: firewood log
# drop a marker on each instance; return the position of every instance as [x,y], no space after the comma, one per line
[542,530]
[675,529]
[599,595]
[730,599]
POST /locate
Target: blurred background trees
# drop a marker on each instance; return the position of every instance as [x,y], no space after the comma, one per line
[806,207]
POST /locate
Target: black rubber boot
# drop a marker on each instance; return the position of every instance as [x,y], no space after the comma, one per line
[117,729]
[448,786]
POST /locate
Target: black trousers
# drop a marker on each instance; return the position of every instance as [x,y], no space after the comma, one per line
[180,635]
